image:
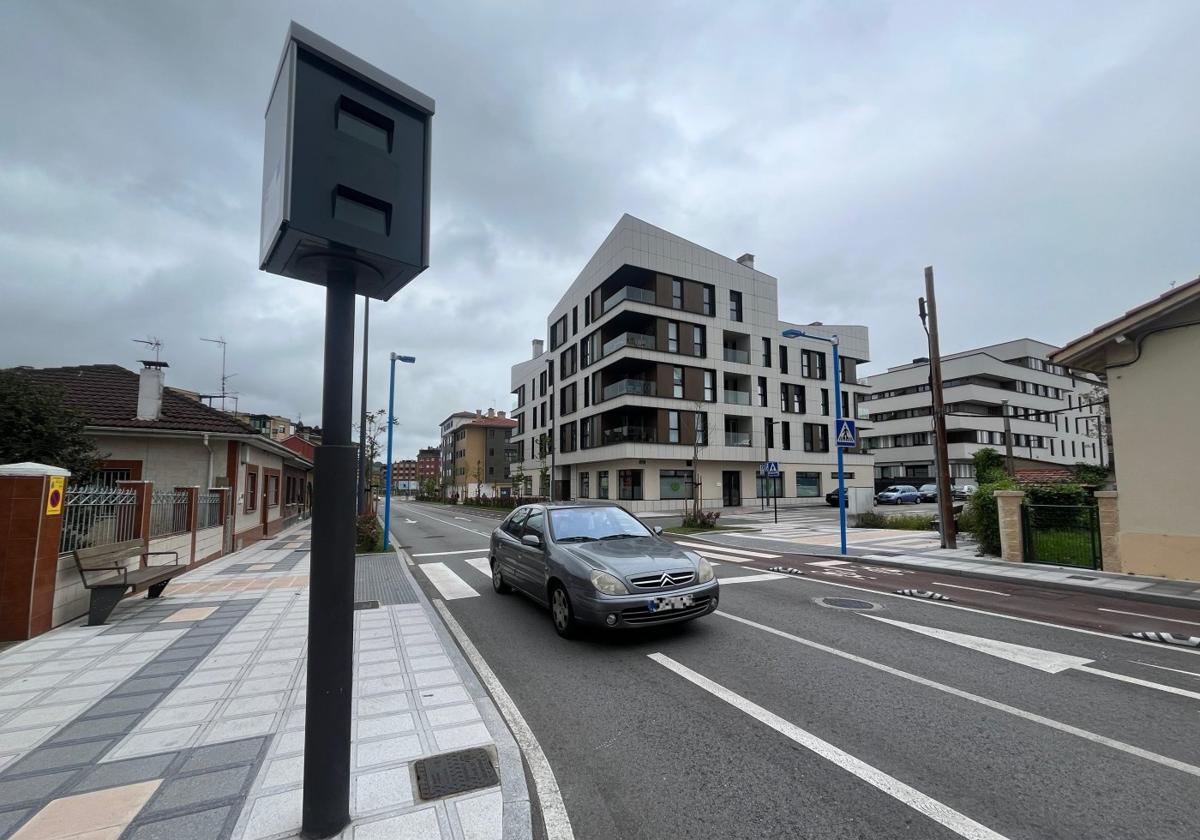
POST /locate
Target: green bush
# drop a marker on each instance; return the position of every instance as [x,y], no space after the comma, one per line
[900,521]
[368,536]
[1090,474]
[981,519]
[989,466]
[701,519]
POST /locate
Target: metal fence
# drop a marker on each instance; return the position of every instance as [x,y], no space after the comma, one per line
[208,513]
[94,516]
[168,512]
[1063,535]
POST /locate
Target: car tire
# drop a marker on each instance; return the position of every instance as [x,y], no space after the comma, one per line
[498,583]
[561,612]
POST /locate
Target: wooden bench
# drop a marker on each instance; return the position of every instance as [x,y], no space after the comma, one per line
[108,590]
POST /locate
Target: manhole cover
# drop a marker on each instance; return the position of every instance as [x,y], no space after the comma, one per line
[847,603]
[366,605]
[456,772]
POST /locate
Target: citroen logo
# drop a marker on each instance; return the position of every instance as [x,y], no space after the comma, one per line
[666,580]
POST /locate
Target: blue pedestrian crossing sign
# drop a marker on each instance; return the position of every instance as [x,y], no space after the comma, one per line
[770,468]
[847,434]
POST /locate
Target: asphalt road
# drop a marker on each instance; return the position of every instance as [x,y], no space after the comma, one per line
[785,716]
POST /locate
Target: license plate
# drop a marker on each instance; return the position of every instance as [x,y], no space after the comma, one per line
[670,602]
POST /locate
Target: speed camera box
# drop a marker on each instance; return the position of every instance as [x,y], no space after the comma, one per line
[346,171]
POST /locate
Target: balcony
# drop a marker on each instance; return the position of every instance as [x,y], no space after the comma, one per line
[627,434]
[741,357]
[737,397]
[628,339]
[627,293]
[630,387]
[737,438]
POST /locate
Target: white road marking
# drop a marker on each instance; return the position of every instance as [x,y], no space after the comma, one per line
[1104,740]
[750,578]
[482,564]
[1112,675]
[972,588]
[729,558]
[723,547]
[1165,668]
[939,812]
[449,584]
[444,553]
[1145,615]
[554,812]
[448,522]
[463,518]
[410,522]
[1043,660]
[829,563]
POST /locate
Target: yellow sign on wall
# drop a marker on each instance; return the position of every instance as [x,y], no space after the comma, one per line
[54,499]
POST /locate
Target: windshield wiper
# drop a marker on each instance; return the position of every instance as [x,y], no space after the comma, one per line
[578,538]
[620,537]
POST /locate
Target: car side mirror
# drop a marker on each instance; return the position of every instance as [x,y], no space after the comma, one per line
[532,539]
[658,530]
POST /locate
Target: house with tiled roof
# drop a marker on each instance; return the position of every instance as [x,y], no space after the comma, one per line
[152,433]
[476,453]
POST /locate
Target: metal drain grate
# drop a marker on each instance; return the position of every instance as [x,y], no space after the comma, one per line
[456,772]
[366,605]
[846,603]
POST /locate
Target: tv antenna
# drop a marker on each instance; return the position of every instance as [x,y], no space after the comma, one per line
[224,377]
[153,343]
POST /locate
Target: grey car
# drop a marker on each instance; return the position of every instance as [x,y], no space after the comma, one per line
[599,565]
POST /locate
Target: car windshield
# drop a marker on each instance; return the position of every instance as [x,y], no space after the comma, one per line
[585,524]
[894,489]
[928,488]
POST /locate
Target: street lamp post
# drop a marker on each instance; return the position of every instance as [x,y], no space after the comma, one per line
[387,505]
[837,416]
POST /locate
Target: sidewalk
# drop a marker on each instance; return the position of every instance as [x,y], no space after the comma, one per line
[1182,593]
[183,717]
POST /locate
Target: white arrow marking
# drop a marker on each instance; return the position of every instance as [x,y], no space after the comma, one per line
[1044,660]
[410,522]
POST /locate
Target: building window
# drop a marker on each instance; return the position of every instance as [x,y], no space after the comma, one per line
[272,491]
[768,487]
[574,320]
[845,404]
[762,391]
[787,435]
[766,357]
[585,485]
[677,383]
[672,427]
[812,364]
[707,303]
[251,498]
[783,359]
[676,294]
[585,432]
[799,404]
[672,337]
[816,437]
[735,306]
[824,402]
[630,485]
[710,388]
[697,340]
[587,310]
[602,484]
[701,428]
[846,475]
[769,431]
[674,484]
[808,485]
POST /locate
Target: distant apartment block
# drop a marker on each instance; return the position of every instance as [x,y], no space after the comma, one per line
[664,366]
[429,464]
[475,453]
[1054,417]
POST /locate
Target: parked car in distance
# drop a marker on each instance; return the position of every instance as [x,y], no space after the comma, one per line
[831,498]
[898,494]
[962,492]
[599,565]
[928,492]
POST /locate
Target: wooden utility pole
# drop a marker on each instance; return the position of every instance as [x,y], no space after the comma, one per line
[945,500]
[1008,454]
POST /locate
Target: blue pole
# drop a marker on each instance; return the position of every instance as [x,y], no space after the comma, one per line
[837,414]
[387,507]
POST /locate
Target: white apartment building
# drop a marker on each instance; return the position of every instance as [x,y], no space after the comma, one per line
[662,353]
[1054,417]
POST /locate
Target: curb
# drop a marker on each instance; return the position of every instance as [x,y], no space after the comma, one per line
[517,807]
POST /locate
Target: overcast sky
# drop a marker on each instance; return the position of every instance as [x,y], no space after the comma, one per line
[1042,156]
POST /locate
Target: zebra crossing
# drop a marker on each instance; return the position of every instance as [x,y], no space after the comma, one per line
[456,575]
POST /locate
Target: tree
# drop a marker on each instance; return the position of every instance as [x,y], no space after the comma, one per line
[478,476]
[518,478]
[38,427]
[543,466]
[989,465]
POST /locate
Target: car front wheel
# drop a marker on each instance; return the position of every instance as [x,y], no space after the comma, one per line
[561,612]
[498,582]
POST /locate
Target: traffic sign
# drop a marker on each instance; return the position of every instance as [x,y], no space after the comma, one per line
[54,499]
[847,434]
[770,468]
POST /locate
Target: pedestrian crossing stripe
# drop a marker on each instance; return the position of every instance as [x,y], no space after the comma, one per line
[728,548]
[447,583]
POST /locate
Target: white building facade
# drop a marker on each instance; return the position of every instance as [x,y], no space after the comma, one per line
[665,365]
[1055,416]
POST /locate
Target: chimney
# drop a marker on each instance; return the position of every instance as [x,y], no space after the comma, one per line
[150,388]
[501,414]
[491,412]
[479,412]
[538,344]
[746,260]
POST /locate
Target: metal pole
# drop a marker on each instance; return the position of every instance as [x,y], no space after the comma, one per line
[837,415]
[362,423]
[945,502]
[326,801]
[387,504]
[1008,453]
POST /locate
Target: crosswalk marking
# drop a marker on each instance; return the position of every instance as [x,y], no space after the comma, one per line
[729,558]
[444,553]
[750,578]
[449,584]
[829,563]
[724,547]
[482,564]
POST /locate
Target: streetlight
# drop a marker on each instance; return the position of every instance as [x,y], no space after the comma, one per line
[837,416]
[387,506]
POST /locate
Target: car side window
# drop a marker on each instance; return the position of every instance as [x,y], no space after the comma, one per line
[535,524]
[513,525]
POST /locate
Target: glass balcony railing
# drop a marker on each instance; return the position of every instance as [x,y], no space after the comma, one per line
[629,339]
[737,397]
[630,387]
[627,434]
[737,438]
[742,357]
[627,293]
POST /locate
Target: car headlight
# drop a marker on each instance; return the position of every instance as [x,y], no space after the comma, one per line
[606,583]
[704,571]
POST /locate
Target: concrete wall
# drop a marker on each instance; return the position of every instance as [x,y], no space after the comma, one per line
[168,462]
[1153,401]
[208,543]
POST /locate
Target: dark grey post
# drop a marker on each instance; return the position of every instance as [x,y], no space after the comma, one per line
[331,592]
[363,481]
